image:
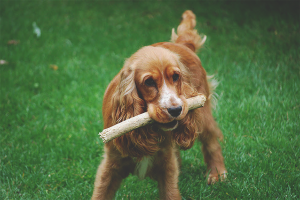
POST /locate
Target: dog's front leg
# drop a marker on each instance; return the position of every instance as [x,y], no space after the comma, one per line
[213,154]
[214,160]
[167,172]
[108,179]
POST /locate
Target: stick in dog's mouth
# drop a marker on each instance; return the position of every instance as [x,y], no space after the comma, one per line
[144,119]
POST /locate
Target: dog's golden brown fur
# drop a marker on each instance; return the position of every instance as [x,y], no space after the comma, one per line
[158,79]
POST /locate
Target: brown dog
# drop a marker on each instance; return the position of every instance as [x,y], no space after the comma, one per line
[158,79]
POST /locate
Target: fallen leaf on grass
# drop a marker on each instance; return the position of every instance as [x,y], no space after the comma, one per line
[3,62]
[13,42]
[54,67]
[36,30]
[36,85]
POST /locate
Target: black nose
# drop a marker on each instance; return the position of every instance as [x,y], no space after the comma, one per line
[175,111]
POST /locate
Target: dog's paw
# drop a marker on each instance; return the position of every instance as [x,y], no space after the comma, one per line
[213,178]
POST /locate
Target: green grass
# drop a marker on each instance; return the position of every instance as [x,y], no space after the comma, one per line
[49,121]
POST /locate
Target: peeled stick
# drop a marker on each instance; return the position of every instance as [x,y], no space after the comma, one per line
[142,120]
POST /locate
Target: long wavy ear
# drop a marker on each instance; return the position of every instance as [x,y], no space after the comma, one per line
[188,129]
[127,104]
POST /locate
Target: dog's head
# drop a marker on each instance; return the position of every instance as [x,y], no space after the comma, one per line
[153,80]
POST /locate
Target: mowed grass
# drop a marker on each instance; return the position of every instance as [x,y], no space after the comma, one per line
[52,88]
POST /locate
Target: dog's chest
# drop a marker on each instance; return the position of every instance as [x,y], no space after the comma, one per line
[143,166]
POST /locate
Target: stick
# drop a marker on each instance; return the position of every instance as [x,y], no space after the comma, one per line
[143,120]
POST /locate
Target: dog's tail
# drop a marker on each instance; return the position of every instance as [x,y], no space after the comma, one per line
[186,34]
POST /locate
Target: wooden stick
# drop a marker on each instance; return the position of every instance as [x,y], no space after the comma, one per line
[142,120]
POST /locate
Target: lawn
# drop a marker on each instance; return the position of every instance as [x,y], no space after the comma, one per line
[52,86]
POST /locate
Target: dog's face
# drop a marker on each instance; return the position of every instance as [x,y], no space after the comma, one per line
[153,80]
[158,77]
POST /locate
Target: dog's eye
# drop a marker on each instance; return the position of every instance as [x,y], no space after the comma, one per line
[150,82]
[175,77]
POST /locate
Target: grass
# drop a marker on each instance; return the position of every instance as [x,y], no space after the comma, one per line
[50,117]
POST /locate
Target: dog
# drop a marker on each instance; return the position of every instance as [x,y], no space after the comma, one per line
[158,79]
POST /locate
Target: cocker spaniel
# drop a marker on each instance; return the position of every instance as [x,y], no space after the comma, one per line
[158,79]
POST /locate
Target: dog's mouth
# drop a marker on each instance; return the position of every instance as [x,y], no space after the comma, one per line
[168,126]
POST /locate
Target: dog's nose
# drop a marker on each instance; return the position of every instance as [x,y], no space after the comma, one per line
[175,111]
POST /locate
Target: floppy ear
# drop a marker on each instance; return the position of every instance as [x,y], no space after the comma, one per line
[127,104]
[188,129]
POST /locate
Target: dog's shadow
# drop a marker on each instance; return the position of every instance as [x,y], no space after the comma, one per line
[192,177]
[192,166]
[192,171]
